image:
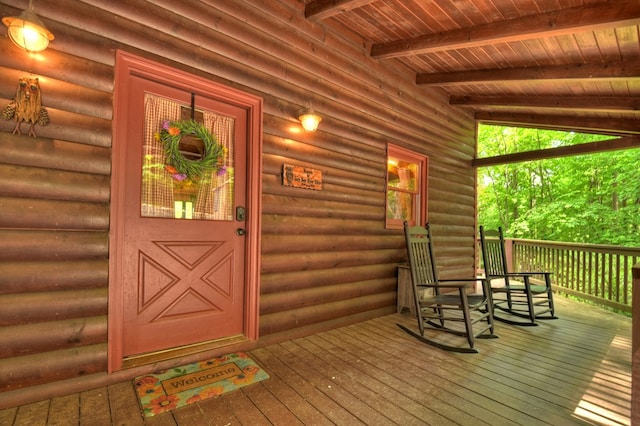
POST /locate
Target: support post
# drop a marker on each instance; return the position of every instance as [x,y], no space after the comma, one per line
[635,348]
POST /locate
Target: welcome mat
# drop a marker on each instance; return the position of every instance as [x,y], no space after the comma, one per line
[177,387]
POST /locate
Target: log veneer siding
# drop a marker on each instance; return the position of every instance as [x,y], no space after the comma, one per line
[326,258]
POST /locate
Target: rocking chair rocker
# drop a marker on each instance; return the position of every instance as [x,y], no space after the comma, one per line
[435,310]
[514,292]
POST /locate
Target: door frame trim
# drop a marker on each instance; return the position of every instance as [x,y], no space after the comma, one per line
[127,65]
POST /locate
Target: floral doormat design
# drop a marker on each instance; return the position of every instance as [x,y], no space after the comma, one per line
[177,387]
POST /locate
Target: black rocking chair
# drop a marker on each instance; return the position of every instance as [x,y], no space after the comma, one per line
[515,292]
[436,299]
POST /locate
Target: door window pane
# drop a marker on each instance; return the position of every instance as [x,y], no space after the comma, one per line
[169,194]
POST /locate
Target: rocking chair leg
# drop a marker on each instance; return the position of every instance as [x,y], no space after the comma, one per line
[532,313]
[466,314]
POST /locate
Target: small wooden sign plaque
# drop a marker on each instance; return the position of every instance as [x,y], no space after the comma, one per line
[301,177]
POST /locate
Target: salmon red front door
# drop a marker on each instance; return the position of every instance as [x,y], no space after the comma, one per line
[181,276]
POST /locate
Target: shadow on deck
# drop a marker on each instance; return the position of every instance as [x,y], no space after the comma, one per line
[574,370]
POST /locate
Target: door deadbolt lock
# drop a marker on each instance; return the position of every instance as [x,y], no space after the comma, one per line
[240,231]
[240,214]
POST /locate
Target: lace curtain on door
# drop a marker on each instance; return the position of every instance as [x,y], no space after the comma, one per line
[211,197]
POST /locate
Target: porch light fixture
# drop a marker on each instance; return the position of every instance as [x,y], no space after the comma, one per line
[27,31]
[310,120]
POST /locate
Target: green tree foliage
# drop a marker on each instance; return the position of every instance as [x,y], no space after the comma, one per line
[591,198]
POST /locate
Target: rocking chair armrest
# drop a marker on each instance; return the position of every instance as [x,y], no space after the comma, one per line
[484,281]
[523,273]
[537,272]
[462,280]
[458,282]
[509,275]
[526,275]
[513,274]
[444,285]
[462,283]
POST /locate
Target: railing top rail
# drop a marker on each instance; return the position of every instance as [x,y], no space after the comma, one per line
[629,251]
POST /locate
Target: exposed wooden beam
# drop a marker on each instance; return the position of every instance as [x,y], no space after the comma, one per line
[592,72]
[563,151]
[561,22]
[586,103]
[322,9]
[609,126]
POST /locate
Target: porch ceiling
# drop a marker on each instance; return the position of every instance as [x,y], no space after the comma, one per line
[560,64]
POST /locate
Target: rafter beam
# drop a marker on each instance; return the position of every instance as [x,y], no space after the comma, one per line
[585,103]
[610,126]
[562,151]
[322,9]
[596,71]
[561,22]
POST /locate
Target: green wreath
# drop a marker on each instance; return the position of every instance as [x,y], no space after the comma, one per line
[181,167]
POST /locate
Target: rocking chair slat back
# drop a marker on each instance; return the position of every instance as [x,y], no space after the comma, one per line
[421,257]
[495,259]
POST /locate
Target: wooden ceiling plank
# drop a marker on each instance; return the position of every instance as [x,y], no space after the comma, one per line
[561,22]
[575,58]
[562,151]
[592,72]
[600,103]
[610,126]
[323,9]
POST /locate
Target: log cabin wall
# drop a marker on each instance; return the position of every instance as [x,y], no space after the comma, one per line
[326,258]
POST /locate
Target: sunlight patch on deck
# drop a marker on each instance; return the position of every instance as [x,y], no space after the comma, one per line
[607,400]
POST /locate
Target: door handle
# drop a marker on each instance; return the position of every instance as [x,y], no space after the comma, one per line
[240,231]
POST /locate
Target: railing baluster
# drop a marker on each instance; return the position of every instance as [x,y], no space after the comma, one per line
[586,285]
[590,272]
[625,284]
[610,277]
[603,275]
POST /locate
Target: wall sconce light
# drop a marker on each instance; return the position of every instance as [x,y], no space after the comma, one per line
[27,31]
[310,120]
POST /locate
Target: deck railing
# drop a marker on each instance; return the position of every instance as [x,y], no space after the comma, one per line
[600,273]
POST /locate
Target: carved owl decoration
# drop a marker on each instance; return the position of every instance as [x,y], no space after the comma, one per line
[27,106]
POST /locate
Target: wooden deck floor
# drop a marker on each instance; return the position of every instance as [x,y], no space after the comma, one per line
[574,370]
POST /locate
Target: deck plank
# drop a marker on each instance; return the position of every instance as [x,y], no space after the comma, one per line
[572,371]
[210,411]
[368,387]
[570,354]
[94,407]
[32,414]
[390,385]
[322,381]
[122,402]
[303,409]
[331,409]
[8,416]
[64,410]
[243,409]
[274,410]
[164,419]
[436,375]
[480,382]
[378,408]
